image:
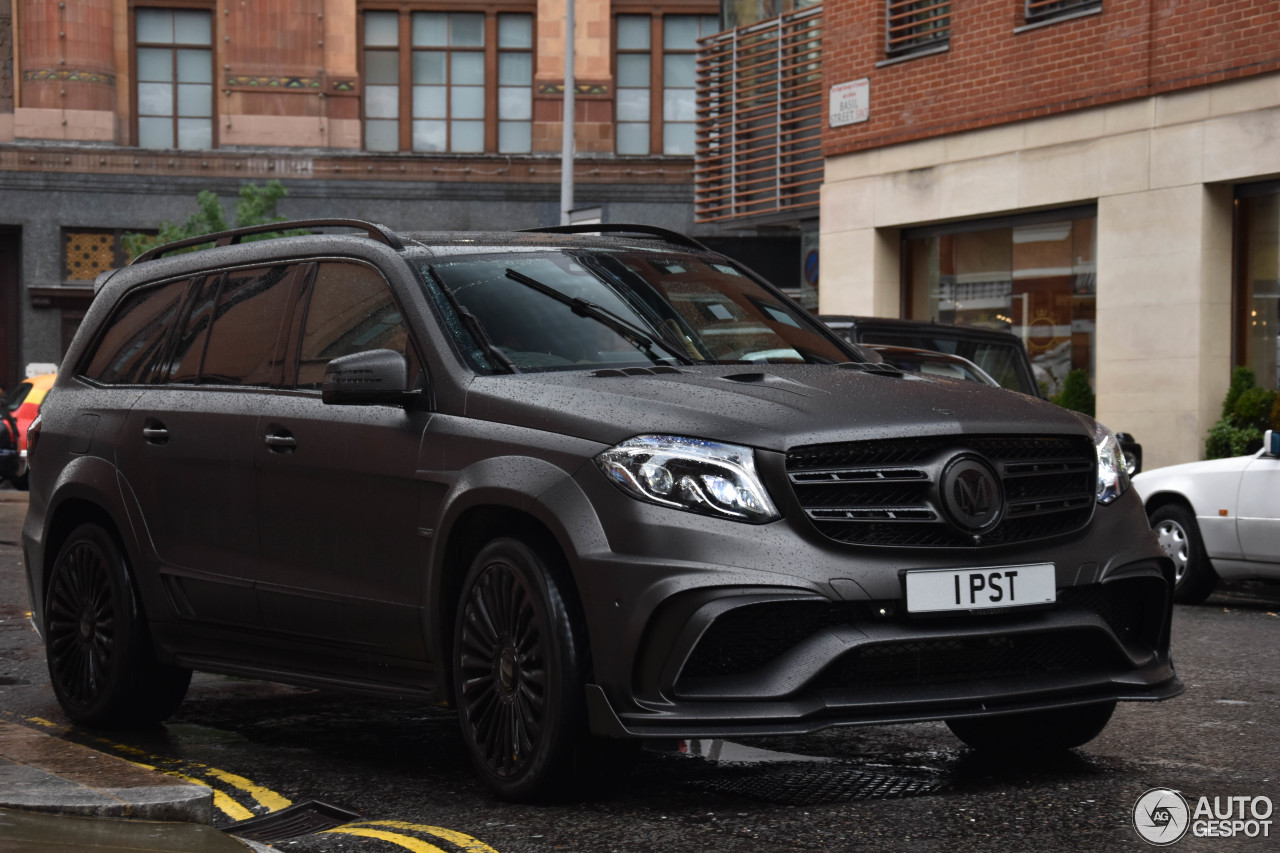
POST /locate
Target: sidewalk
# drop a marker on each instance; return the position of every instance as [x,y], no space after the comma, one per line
[60,796]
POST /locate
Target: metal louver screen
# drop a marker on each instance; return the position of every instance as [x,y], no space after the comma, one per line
[914,25]
[760,109]
[1042,10]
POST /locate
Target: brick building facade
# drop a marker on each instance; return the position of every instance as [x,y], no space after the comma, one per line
[1097,176]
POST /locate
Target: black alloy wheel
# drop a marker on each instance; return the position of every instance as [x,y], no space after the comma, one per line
[100,659]
[519,674]
[81,619]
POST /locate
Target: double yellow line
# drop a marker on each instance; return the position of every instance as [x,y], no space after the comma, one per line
[366,829]
[266,801]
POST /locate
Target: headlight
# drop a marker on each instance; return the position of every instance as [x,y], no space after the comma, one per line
[1113,473]
[706,477]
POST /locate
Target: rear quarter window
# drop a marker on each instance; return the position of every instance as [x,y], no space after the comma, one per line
[132,342]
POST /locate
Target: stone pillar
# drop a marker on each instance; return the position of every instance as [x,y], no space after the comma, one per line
[1164,316]
[592,67]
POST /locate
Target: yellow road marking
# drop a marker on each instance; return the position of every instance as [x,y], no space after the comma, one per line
[221,801]
[265,796]
[408,842]
[466,842]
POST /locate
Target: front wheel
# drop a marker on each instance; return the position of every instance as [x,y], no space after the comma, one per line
[101,663]
[519,674]
[1033,731]
[1179,535]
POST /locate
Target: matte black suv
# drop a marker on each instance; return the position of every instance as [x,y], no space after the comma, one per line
[587,488]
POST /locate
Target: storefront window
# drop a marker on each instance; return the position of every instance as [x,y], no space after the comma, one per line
[1034,278]
[1258,293]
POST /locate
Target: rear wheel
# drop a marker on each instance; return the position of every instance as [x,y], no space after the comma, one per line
[1179,535]
[101,663]
[519,674]
[1033,731]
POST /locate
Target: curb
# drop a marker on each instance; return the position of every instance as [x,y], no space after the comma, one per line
[42,773]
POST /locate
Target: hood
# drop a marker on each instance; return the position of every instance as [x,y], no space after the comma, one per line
[772,407]
[1179,476]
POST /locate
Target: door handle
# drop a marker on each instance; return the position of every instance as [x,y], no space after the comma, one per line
[281,443]
[156,434]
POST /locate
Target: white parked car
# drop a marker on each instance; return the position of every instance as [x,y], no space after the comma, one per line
[1217,519]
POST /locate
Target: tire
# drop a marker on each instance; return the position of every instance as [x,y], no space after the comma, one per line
[519,671]
[101,662]
[22,483]
[1032,732]
[1179,535]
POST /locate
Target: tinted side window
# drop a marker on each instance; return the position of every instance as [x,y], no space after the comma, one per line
[244,340]
[351,310]
[134,339]
[188,349]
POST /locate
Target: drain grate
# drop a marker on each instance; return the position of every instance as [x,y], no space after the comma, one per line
[814,785]
[300,819]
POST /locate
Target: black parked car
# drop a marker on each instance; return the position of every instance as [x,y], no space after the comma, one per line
[997,352]
[588,488]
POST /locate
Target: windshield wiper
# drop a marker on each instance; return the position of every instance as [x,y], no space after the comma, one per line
[477,331]
[585,308]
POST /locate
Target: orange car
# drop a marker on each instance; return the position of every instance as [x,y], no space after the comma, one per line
[19,408]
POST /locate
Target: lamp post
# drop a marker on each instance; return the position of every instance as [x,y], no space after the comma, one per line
[567,135]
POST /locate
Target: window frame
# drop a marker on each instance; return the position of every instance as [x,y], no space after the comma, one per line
[916,40]
[1038,13]
[174,6]
[404,49]
[657,13]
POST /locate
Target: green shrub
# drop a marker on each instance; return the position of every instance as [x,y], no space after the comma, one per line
[1253,408]
[1247,411]
[1076,394]
[1242,379]
[1225,440]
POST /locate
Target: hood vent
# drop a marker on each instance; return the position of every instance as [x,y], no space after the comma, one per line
[614,372]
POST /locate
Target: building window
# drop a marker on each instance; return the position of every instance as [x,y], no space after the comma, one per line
[916,26]
[663,59]
[175,78]
[87,253]
[1040,11]
[1035,277]
[445,99]
[1257,297]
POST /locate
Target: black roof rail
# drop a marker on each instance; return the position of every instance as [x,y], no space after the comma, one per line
[373,231]
[622,228]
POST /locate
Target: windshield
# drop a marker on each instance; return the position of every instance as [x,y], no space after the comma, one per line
[617,309]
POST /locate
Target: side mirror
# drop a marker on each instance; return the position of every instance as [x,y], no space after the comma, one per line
[372,378]
[1271,442]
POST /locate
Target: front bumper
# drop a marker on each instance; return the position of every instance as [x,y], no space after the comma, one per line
[751,664]
[708,628]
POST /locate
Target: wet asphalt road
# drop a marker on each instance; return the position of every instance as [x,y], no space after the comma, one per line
[402,767]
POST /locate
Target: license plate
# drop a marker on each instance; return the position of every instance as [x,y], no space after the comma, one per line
[934,590]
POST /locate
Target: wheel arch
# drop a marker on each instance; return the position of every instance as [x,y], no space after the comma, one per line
[468,534]
[84,494]
[1165,498]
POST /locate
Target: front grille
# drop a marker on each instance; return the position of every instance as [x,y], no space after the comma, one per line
[742,640]
[886,492]
[966,659]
